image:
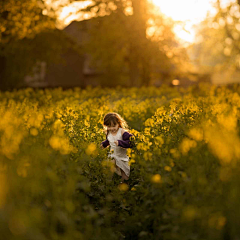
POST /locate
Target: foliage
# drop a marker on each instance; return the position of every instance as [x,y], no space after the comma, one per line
[48,47]
[219,35]
[132,42]
[20,19]
[28,35]
[57,183]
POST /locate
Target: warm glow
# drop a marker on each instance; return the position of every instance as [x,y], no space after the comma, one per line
[175,82]
[69,13]
[184,10]
[190,12]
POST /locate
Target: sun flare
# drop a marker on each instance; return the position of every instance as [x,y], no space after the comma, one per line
[190,12]
[184,10]
[71,12]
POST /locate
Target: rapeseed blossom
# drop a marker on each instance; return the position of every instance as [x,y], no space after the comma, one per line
[156,178]
[186,145]
[180,138]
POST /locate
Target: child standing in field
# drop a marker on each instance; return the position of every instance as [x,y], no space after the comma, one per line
[119,140]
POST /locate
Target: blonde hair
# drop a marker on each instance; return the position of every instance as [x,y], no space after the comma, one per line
[113,118]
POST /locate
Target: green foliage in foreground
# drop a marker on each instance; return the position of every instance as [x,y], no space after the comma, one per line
[57,183]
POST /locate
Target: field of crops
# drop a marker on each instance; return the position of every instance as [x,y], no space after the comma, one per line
[57,183]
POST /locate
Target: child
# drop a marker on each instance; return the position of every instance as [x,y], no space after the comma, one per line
[119,141]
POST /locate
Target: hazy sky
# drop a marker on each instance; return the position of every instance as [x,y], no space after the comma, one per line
[191,12]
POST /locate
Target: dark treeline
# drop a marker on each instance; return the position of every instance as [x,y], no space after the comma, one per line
[126,43]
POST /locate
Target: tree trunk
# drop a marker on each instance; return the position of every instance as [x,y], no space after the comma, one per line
[134,71]
[140,41]
[3,60]
[3,83]
[146,71]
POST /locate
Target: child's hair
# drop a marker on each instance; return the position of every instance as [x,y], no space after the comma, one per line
[113,118]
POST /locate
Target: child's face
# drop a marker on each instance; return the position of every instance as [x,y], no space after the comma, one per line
[113,128]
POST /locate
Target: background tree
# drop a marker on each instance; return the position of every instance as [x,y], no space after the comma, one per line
[133,43]
[27,35]
[219,35]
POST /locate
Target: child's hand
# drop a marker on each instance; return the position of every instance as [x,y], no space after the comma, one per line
[101,146]
[116,142]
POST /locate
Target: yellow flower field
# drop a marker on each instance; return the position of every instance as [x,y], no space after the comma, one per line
[57,182]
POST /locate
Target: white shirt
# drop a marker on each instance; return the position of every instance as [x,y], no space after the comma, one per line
[119,153]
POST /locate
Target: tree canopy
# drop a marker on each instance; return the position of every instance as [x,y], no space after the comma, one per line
[134,40]
[129,41]
[218,43]
[27,33]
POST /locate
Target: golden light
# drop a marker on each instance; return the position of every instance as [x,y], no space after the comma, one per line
[184,10]
[69,13]
[190,12]
[175,82]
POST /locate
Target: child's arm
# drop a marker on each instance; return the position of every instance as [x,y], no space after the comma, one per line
[105,143]
[126,142]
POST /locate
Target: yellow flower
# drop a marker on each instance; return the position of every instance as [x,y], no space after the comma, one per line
[229,122]
[140,146]
[175,153]
[111,151]
[147,131]
[196,134]
[123,187]
[156,178]
[183,174]
[147,156]
[61,144]
[159,141]
[224,144]
[131,161]
[149,122]
[186,145]
[58,115]
[75,150]
[129,151]
[34,131]
[217,221]
[58,124]
[167,168]
[54,141]
[91,149]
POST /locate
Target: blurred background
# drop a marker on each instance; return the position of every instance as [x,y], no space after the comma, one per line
[131,43]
